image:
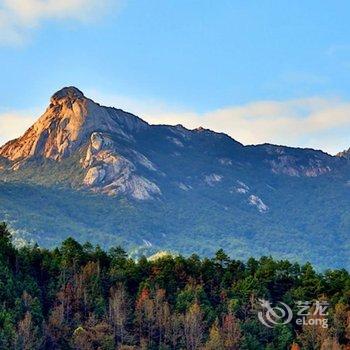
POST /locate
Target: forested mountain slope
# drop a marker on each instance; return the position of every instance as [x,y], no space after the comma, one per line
[81,297]
[102,174]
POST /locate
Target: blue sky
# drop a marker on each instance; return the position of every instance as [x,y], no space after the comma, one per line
[274,71]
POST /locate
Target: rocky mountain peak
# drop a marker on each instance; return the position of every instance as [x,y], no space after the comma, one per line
[57,132]
[119,153]
[344,154]
[66,125]
[71,92]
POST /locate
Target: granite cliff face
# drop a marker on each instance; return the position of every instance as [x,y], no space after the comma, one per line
[168,187]
[72,122]
[66,125]
[111,173]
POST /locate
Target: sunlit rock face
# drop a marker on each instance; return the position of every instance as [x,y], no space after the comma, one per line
[66,125]
[58,132]
[73,121]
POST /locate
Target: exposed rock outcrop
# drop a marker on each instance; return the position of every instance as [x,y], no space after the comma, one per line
[290,166]
[258,203]
[73,122]
[111,173]
[66,125]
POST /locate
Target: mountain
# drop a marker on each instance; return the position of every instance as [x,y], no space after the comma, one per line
[102,174]
[344,154]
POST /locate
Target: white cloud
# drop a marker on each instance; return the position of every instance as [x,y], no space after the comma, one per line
[320,123]
[14,124]
[19,17]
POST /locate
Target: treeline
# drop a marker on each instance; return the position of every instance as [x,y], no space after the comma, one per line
[81,297]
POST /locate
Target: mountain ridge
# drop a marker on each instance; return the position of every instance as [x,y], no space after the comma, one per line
[174,188]
[71,92]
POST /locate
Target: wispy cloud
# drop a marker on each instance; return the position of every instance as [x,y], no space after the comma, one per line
[14,124]
[19,17]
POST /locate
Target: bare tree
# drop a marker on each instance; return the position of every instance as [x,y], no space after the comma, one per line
[174,332]
[119,311]
[231,332]
[194,327]
[145,316]
[93,334]
[27,334]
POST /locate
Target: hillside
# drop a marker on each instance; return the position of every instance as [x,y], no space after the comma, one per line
[81,297]
[101,174]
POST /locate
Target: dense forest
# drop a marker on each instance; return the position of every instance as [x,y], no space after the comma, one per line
[79,296]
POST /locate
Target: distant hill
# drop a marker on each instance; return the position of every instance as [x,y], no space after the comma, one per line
[101,174]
